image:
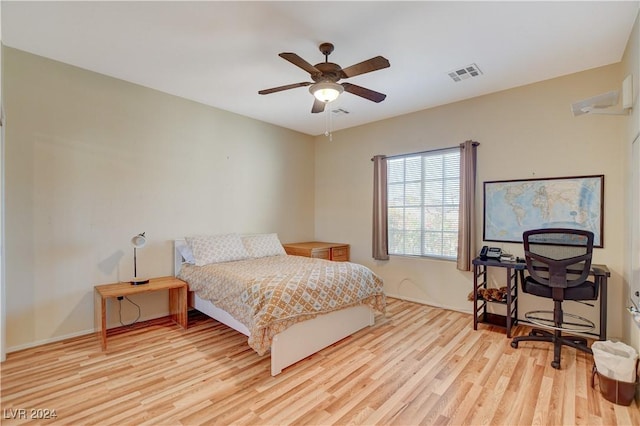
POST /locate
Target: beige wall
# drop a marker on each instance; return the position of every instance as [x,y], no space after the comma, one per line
[524,133]
[92,161]
[631,66]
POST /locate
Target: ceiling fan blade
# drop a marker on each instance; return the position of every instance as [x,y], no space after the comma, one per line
[318,106]
[287,87]
[369,65]
[299,62]
[364,92]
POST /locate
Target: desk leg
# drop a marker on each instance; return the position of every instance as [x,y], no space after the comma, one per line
[475,296]
[178,305]
[603,307]
[508,313]
[103,320]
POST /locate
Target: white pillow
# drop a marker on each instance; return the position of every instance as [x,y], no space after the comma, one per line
[263,245]
[186,253]
[217,248]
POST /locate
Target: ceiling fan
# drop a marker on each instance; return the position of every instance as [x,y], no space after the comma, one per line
[326,76]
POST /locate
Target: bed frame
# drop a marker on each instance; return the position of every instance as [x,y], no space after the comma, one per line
[301,339]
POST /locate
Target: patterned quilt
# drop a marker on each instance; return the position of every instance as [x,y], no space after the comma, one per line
[270,294]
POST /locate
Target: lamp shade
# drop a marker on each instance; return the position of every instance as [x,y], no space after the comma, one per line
[326,91]
[139,241]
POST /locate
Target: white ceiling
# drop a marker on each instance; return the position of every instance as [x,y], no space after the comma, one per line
[222,53]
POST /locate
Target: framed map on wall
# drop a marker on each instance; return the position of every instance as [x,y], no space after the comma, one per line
[514,206]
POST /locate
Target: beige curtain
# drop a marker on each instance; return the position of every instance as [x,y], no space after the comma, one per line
[467,212]
[380,247]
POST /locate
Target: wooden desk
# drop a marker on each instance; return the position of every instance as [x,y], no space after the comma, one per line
[177,299]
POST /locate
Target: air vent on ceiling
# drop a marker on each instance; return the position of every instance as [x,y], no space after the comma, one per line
[340,111]
[464,73]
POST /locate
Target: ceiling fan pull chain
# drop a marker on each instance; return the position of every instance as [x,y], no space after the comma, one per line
[330,126]
[327,132]
[326,122]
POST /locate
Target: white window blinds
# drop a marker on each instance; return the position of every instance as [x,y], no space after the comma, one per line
[423,200]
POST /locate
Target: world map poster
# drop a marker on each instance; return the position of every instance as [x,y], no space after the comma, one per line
[514,206]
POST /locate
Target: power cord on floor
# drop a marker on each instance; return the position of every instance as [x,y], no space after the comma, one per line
[120,310]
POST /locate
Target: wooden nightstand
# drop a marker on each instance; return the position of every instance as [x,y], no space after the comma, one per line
[330,251]
[177,299]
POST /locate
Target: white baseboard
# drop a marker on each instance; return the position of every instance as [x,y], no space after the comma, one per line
[423,302]
[73,335]
[50,340]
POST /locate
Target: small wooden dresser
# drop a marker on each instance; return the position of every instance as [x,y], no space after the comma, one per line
[330,251]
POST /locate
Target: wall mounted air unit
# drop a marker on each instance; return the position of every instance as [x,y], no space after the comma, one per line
[602,104]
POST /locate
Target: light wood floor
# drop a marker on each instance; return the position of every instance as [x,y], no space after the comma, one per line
[417,365]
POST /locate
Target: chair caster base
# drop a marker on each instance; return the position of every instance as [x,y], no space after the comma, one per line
[540,333]
[514,345]
[555,365]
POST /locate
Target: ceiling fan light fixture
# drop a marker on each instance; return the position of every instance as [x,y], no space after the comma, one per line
[326,91]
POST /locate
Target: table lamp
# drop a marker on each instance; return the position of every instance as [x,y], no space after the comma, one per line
[138,241]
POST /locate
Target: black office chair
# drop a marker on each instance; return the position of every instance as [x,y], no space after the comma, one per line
[558,265]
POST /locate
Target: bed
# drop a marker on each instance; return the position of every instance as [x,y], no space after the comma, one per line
[284,304]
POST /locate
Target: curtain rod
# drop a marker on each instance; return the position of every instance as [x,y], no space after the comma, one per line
[424,152]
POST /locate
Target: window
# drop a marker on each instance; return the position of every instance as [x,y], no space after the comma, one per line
[423,198]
